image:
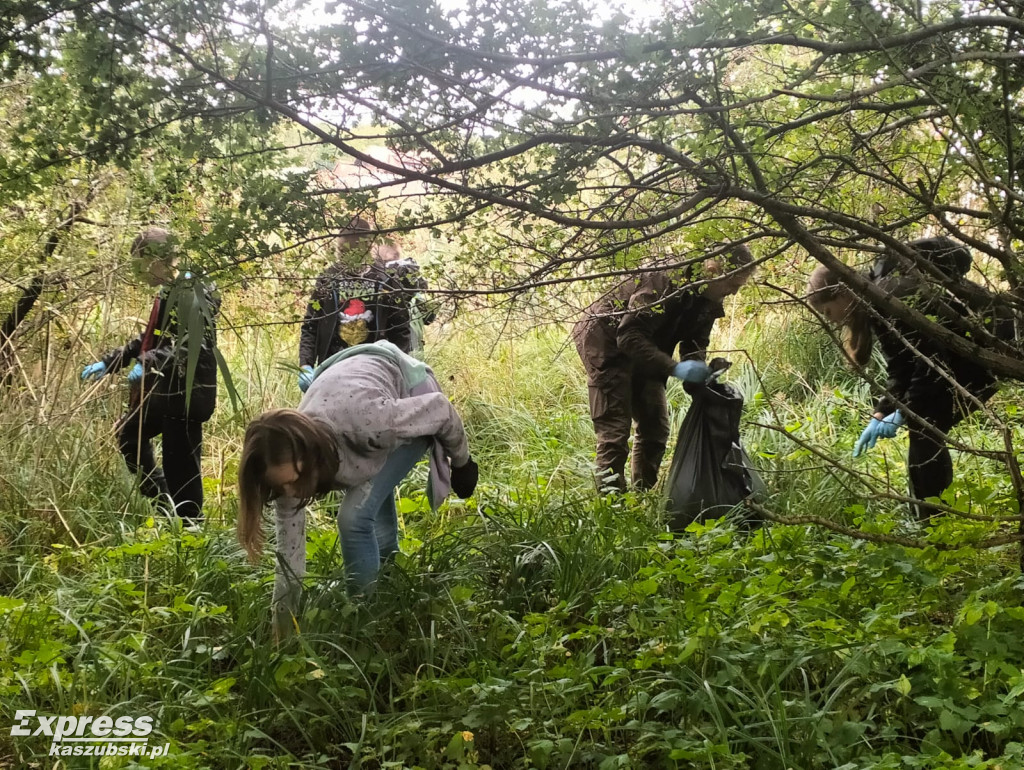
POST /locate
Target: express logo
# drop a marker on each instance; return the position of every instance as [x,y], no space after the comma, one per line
[89,736]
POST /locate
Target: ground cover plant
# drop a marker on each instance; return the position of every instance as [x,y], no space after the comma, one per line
[530,154]
[535,625]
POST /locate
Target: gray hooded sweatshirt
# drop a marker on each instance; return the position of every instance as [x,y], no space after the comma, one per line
[370,409]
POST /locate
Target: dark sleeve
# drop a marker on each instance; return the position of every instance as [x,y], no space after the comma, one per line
[426,304]
[908,377]
[1001,322]
[645,313]
[120,357]
[993,311]
[393,300]
[913,362]
[215,302]
[317,309]
[705,313]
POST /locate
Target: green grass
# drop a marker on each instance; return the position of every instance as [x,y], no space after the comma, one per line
[535,625]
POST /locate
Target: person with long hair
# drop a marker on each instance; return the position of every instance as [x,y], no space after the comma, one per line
[627,339]
[367,418]
[929,388]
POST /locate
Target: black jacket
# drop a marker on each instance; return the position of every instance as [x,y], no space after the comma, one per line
[406,273]
[640,323]
[186,307]
[340,292]
[911,379]
[950,257]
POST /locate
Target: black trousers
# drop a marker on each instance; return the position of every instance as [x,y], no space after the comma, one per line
[182,443]
[929,464]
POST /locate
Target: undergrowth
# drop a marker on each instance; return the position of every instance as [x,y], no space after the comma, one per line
[535,625]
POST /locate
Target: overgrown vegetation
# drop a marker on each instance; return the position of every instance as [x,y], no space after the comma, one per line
[535,625]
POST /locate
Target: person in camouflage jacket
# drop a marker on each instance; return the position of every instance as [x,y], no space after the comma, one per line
[626,341]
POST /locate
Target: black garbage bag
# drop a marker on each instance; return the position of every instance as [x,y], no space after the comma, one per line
[710,474]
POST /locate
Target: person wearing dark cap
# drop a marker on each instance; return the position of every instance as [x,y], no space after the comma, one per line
[627,340]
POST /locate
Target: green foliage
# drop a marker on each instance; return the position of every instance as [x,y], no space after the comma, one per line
[715,121]
[535,625]
[532,626]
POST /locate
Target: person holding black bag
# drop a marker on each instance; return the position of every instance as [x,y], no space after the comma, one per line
[626,341]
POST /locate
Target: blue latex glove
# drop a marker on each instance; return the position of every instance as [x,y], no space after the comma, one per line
[135,375]
[868,438]
[692,371]
[305,377]
[884,428]
[890,424]
[94,371]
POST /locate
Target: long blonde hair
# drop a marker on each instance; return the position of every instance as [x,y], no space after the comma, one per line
[278,437]
[823,287]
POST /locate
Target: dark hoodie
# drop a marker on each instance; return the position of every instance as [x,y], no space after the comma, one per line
[184,310]
[369,299]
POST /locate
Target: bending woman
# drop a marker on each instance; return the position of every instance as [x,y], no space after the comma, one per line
[929,388]
[370,414]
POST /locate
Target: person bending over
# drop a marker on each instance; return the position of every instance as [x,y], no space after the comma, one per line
[627,340]
[368,416]
[930,389]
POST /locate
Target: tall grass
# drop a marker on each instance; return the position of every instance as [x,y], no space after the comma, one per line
[535,625]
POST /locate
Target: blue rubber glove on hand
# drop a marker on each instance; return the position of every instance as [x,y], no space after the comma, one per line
[94,371]
[135,374]
[890,424]
[868,438]
[305,377]
[884,428]
[692,371]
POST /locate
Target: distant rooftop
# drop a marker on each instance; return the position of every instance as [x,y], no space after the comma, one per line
[353,173]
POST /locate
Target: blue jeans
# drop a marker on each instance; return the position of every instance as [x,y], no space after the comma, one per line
[368,520]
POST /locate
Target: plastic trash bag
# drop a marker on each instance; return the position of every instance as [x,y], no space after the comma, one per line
[711,473]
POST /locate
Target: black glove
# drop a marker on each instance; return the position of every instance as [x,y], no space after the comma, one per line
[464,478]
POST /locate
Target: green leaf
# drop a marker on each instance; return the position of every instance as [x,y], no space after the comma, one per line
[903,686]
[229,383]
